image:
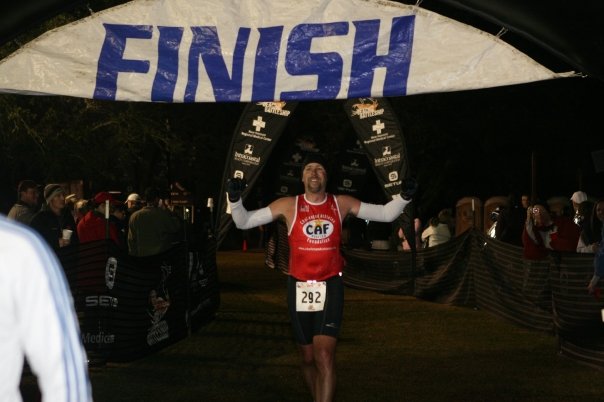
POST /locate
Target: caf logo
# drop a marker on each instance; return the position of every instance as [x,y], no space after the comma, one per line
[317,229]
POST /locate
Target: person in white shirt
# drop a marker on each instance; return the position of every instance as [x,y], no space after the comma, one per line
[38,320]
[436,233]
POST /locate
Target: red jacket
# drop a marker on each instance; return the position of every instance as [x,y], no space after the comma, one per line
[93,227]
[562,235]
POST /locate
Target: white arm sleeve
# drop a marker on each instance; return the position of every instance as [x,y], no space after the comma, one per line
[382,213]
[245,219]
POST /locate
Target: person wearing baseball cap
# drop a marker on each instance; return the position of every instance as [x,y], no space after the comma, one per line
[27,204]
[134,202]
[314,223]
[96,224]
[56,225]
[577,198]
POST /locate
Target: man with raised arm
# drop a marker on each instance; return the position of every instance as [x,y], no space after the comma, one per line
[315,290]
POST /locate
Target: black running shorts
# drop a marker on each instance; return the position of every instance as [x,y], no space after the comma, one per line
[327,322]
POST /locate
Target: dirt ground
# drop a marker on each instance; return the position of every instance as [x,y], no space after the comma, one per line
[392,348]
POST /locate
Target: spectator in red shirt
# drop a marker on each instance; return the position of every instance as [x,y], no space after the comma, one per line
[93,226]
[543,234]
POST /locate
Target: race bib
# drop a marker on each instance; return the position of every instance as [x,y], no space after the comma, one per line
[310,296]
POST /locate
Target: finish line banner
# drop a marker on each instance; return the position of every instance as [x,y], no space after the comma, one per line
[263,50]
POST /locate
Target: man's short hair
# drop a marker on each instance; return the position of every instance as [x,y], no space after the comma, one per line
[25,185]
[151,194]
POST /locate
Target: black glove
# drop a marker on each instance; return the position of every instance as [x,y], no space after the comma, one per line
[235,187]
[408,188]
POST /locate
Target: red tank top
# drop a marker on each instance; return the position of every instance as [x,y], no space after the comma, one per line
[314,240]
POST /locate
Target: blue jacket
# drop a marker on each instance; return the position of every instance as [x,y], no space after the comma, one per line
[599,258]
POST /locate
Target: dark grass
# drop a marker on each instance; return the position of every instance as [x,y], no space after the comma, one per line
[392,348]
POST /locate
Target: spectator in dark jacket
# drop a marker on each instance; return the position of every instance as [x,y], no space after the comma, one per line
[510,222]
[56,227]
[152,229]
[599,252]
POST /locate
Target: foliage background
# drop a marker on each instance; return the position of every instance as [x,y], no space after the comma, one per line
[480,142]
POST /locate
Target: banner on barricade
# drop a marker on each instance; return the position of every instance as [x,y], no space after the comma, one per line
[129,306]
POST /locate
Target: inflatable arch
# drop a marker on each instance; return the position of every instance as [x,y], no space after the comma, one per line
[545,295]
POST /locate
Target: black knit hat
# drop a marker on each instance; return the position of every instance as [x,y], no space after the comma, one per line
[51,190]
[315,157]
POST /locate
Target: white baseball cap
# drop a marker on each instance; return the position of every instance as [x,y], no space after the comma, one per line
[134,197]
[578,197]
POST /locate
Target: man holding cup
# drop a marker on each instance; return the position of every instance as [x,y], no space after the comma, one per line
[54,225]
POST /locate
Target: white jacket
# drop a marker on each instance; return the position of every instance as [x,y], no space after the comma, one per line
[37,320]
[436,235]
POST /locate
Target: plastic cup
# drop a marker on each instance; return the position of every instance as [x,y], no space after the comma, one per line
[67,234]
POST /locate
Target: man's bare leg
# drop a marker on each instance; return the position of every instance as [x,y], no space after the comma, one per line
[324,350]
[309,369]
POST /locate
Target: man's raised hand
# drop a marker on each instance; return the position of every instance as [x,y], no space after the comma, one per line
[235,187]
[408,188]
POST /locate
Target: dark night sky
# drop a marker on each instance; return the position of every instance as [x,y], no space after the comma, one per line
[482,142]
[489,135]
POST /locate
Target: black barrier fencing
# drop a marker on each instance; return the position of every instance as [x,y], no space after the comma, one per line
[129,307]
[476,271]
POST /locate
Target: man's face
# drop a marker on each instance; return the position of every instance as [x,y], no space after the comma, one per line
[30,197]
[314,177]
[575,206]
[525,201]
[131,204]
[57,203]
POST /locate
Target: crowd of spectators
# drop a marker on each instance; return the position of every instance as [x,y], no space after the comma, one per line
[560,224]
[145,226]
[142,227]
[542,228]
